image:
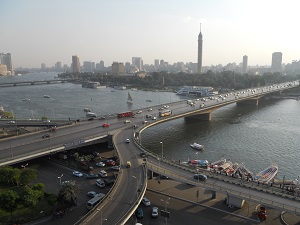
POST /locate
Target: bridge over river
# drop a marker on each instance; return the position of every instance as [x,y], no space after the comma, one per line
[132,183]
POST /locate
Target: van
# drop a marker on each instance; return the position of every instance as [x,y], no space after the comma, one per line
[100,183]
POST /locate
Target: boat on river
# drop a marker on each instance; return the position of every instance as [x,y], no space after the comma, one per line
[91,115]
[129,99]
[201,162]
[266,175]
[197,146]
[217,164]
[87,110]
[46,96]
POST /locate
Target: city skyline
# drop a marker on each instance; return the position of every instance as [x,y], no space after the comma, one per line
[36,32]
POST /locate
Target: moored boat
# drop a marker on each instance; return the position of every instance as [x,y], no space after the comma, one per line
[197,146]
[87,110]
[266,175]
[201,162]
[91,115]
[46,96]
[217,164]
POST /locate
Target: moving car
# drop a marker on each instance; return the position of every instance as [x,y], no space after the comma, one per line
[127,121]
[201,177]
[154,212]
[46,136]
[146,201]
[145,122]
[128,164]
[77,174]
[100,164]
[105,125]
[127,140]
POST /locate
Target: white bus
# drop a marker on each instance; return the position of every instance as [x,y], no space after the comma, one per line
[94,201]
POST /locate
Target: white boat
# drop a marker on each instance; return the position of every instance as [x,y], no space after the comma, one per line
[46,96]
[26,99]
[87,110]
[91,115]
[267,174]
[120,87]
[197,146]
[195,90]
[129,99]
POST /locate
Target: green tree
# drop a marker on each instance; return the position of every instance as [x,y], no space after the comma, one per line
[39,187]
[52,200]
[27,175]
[30,198]
[9,175]
[69,192]
[9,201]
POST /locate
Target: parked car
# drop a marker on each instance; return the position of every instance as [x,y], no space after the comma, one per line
[139,213]
[201,177]
[103,173]
[262,213]
[154,212]
[91,194]
[100,164]
[115,168]
[77,174]
[92,176]
[127,140]
[100,183]
[110,162]
[146,201]
[105,125]
[128,164]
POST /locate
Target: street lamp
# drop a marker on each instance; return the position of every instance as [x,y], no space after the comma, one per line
[162,149]
[60,178]
[102,219]
[23,166]
[166,202]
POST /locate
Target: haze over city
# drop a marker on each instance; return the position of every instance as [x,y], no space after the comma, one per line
[36,32]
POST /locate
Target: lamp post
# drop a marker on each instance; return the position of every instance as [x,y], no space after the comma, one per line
[60,178]
[166,202]
[23,166]
[162,149]
[283,182]
[102,219]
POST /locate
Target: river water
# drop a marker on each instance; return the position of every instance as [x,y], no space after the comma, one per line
[254,135]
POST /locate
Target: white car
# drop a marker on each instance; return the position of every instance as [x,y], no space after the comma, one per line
[127,121]
[154,212]
[77,174]
[150,109]
[146,202]
[103,173]
[100,164]
[127,140]
[91,194]
[154,118]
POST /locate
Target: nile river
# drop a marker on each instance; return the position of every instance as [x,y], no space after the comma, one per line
[254,135]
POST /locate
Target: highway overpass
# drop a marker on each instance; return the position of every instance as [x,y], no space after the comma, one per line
[29,146]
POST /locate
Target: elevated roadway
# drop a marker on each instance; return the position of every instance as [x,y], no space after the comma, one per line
[120,204]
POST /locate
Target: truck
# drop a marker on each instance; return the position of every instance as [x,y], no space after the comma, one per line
[234,201]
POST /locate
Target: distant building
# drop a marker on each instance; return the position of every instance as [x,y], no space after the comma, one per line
[138,62]
[276,62]
[117,68]
[88,66]
[200,46]
[6,60]
[58,66]
[156,64]
[3,70]
[245,64]
[43,66]
[75,64]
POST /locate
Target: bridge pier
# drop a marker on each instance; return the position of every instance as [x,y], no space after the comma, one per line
[204,117]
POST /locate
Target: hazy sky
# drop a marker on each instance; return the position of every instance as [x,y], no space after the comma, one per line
[47,31]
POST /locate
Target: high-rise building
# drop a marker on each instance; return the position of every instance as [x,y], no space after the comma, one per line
[118,68]
[156,64]
[6,60]
[58,66]
[245,64]
[3,70]
[75,64]
[200,43]
[43,66]
[138,62]
[276,62]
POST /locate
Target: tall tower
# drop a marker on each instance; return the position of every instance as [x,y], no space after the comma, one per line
[245,64]
[200,43]
[276,62]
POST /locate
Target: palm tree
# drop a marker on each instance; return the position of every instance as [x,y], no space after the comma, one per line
[69,192]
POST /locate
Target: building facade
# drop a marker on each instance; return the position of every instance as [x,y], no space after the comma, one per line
[200,48]
[117,68]
[75,64]
[245,64]
[5,59]
[276,65]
